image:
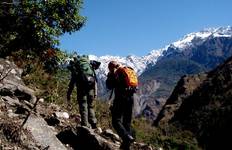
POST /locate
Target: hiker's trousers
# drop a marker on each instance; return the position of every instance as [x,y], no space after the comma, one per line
[86,107]
[122,114]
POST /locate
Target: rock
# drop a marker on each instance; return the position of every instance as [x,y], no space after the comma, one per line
[11,83]
[62,115]
[12,115]
[11,101]
[10,71]
[87,139]
[42,134]
[54,107]
[41,100]
[108,133]
[99,130]
[11,88]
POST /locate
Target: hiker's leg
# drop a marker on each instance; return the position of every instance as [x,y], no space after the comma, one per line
[70,88]
[117,112]
[91,113]
[127,116]
[82,101]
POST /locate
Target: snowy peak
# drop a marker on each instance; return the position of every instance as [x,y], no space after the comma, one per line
[141,63]
[193,38]
[153,56]
[138,63]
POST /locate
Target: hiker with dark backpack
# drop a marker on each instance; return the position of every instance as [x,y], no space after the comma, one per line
[124,82]
[86,89]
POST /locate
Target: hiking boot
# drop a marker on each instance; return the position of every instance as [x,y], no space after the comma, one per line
[127,142]
[130,139]
[94,126]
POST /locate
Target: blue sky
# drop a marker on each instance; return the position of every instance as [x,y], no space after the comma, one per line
[124,27]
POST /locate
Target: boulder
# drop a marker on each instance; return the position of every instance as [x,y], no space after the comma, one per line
[43,134]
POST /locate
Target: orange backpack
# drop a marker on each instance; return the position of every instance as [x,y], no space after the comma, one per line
[131,79]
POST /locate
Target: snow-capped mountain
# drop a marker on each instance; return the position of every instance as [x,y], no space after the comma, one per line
[196,52]
[197,38]
[141,63]
[138,63]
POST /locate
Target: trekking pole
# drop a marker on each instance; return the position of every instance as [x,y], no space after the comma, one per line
[111,94]
[28,115]
[18,130]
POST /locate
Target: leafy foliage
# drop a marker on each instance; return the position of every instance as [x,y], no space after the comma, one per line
[37,24]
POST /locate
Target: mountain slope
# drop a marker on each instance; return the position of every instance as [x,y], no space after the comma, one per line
[203,104]
[197,52]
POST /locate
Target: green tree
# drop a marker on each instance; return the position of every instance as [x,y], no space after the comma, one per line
[36,25]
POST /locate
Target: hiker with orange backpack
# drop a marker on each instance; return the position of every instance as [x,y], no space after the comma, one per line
[124,82]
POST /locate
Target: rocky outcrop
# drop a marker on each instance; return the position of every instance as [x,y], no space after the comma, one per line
[44,135]
[11,83]
[202,104]
[183,89]
[142,99]
[9,71]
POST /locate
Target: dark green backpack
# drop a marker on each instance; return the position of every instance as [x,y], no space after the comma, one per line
[85,72]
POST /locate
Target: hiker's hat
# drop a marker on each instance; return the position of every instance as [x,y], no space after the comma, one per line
[113,64]
[95,64]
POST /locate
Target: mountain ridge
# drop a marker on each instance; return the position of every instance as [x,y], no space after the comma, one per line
[141,63]
[152,57]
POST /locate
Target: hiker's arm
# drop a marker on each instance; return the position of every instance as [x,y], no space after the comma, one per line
[110,81]
[95,90]
[71,66]
[71,87]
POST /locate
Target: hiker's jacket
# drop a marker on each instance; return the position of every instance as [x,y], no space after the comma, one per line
[111,81]
[116,81]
